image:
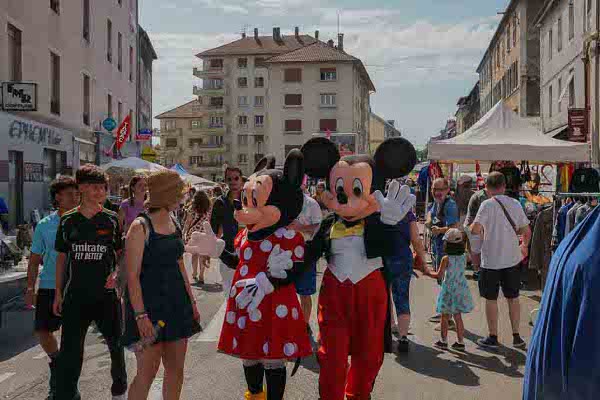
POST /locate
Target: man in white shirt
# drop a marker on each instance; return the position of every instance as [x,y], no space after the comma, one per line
[307,223]
[500,220]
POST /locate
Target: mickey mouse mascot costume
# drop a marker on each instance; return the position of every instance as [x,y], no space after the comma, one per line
[264,325]
[354,298]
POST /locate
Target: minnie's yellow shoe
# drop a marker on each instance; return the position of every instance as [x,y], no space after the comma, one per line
[258,396]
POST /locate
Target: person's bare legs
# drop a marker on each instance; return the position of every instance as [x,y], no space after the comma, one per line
[195,264]
[444,327]
[173,360]
[460,328]
[148,362]
[491,314]
[306,305]
[403,324]
[514,311]
[48,342]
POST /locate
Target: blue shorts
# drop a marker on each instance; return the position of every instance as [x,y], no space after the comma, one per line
[400,270]
[306,283]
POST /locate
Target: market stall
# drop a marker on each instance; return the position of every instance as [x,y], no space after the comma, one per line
[193,179]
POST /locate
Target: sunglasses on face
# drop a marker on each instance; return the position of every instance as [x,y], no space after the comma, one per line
[233,178]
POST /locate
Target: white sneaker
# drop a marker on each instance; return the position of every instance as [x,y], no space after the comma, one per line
[120,397]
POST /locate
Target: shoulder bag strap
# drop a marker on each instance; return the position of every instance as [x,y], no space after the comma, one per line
[508,217]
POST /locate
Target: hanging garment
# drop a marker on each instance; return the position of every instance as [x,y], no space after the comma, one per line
[570,224]
[541,242]
[561,222]
[563,362]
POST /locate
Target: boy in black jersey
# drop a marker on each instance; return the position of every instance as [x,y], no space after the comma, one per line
[87,241]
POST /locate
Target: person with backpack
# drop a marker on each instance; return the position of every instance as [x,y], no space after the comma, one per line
[198,214]
[158,290]
[443,215]
[499,222]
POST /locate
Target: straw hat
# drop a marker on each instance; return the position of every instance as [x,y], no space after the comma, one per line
[165,188]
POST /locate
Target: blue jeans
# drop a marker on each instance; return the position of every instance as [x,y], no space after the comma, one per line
[306,283]
[400,271]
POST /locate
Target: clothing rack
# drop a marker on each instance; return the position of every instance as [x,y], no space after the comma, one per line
[592,194]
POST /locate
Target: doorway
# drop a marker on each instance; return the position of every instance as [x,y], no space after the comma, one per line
[15,187]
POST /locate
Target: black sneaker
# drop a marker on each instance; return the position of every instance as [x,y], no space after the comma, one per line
[403,344]
[476,275]
[489,342]
[441,345]
[518,342]
[458,346]
[436,318]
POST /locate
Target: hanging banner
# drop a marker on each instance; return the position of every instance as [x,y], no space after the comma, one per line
[143,135]
[578,125]
[123,132]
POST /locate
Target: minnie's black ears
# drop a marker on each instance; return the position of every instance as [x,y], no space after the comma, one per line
[394,158]
[267,162]
[320,155]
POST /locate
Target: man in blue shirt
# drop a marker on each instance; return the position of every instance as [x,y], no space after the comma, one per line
[65,196]
[443,215]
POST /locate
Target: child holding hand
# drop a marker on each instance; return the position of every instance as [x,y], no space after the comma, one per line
[455,297]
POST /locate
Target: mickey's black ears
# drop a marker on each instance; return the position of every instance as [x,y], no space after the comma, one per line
[293,170]
[394,158]
[267,162]
[320,155]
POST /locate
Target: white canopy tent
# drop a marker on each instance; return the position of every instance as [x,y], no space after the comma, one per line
[133,163]
[501,134]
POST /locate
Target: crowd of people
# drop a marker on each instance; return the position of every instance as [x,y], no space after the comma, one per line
[123,269]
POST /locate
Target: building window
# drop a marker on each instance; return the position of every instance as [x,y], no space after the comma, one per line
[216,102]
[86,20]
[196,123]
[109,41]
[328,74]
[216,64]
[171,142]
[170,124]
[55,84]
[242,159]
[259,62]
[508,37]
[259,101]
[120,51]
[109,110]
[243,82]
[243,140]
[514,32]
[550,100]
[288,148]
[571,21]
[120,3]
[259,121]
[242,120]
[560,95]
[293,100]
[259,82]
[550,44]
[14,54]
[588,22]
[86,100]
[572,92]
[195,142]
[328,100]
[242,63]
[559,32]
[292,75]
[119,112]
[293,125]
[195,160]
[216,122]
[328,125]
[55,6]
[131,64]
[243,101]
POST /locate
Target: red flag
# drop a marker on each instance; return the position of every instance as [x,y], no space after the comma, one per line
[123,132]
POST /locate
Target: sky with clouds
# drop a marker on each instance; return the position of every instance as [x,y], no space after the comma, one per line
[421,54]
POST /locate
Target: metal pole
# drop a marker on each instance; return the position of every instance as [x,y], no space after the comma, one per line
[595,131]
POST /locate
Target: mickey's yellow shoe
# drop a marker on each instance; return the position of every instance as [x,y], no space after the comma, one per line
[259,396]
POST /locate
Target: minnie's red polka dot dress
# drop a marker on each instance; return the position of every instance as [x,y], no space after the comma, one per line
[276,330]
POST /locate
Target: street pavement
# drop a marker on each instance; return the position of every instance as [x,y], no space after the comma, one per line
[424,373]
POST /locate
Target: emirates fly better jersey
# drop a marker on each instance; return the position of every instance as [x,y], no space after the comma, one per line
[91,245]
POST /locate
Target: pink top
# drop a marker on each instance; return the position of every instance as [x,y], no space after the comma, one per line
[131,213]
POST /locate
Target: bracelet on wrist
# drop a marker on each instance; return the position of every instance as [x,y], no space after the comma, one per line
[138,313]
[141,316]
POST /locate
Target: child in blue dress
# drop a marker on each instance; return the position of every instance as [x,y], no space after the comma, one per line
[455,297]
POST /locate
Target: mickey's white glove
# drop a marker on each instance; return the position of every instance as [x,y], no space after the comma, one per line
[205,243]
[398,202]
[279,262]
[255,290]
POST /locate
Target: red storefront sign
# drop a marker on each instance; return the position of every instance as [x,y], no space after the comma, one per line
[578,125]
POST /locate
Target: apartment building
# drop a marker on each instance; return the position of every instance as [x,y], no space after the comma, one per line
[274,92]
[468,111]
[192,137]
[147,55]
[379,130]
[510,68]
[81,56]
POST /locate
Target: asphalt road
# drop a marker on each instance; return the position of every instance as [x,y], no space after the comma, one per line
[424,373]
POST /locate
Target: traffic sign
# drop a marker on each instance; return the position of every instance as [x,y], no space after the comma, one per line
[109,124]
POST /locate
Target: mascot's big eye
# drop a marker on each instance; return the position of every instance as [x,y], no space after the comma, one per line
[244,199]
[357,187]
[254,201]
[339,185]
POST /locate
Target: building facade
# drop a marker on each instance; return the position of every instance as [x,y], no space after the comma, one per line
[267,94]
[468,111]
[510,68]
[188,137]
[562,28]
[380,130]
[146,57]
[81,54]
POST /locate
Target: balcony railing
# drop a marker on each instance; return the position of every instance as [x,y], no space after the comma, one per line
[209,72]
[209,91]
